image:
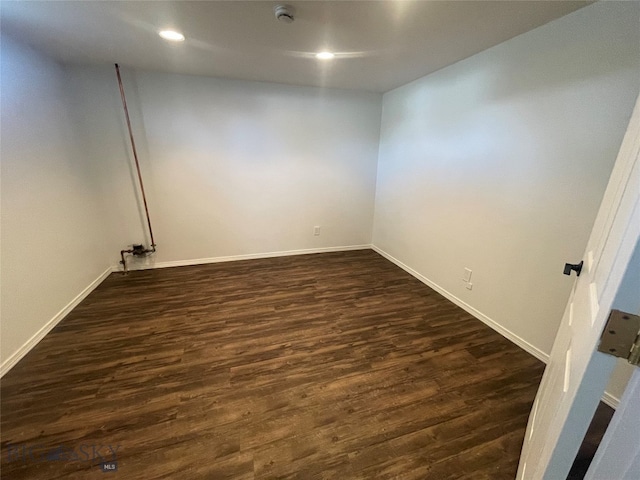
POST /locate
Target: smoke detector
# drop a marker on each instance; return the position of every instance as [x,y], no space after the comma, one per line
[284,13]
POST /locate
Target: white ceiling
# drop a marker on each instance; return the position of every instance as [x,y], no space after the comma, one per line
[381,44]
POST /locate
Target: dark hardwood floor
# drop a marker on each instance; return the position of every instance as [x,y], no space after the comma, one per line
[328,366]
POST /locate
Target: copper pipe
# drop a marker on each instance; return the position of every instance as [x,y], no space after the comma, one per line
[124,260]
[135,157]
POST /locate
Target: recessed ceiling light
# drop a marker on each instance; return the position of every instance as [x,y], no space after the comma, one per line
[324,55]
[171,35]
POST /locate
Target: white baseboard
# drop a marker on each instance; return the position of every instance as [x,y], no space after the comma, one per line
[611,400]
[16,356]
[10,362]
[522,343]
[607,397]
[233,258]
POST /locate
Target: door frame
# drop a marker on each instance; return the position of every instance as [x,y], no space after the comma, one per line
[618,455]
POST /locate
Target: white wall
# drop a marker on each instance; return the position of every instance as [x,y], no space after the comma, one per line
[52,244]
[499,162]
[232,168]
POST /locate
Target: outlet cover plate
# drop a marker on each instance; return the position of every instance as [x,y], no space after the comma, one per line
[466,276]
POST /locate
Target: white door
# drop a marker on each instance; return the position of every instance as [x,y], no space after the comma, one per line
[577,374]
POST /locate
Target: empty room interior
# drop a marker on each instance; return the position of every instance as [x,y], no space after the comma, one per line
[305,240]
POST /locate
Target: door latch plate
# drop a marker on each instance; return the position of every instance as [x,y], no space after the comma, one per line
[621,336]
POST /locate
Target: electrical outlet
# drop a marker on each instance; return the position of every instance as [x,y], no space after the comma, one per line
[316,231]
[466,276]
[469,286]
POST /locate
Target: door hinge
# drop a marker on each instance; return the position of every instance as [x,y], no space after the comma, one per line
[621,336]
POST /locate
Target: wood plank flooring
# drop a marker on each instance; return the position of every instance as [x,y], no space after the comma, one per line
[328,366]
